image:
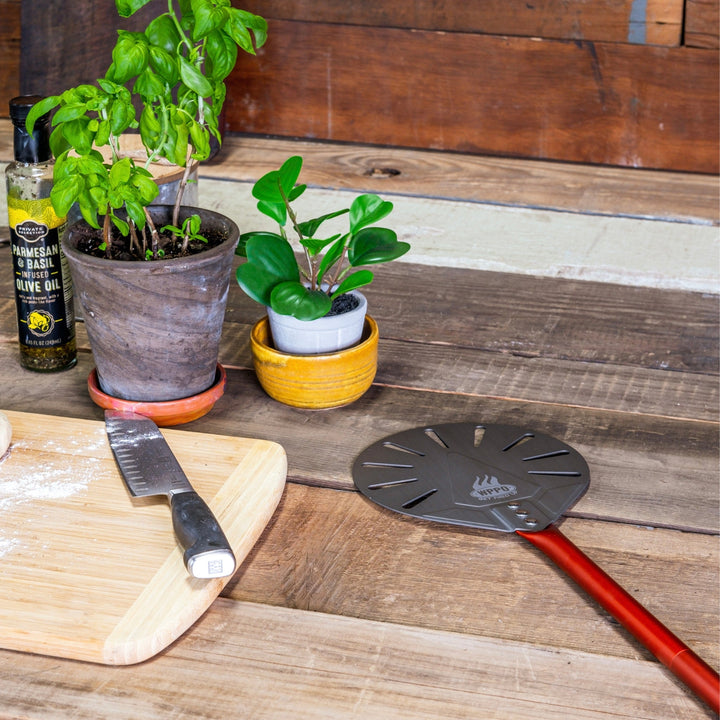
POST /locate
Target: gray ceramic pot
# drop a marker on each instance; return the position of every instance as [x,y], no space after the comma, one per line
[154,327]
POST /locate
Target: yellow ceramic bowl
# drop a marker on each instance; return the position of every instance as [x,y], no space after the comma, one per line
[315,381]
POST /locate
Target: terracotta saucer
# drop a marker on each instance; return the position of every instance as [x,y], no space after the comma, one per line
[166,412]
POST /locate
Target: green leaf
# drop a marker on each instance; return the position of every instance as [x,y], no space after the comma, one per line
[293,298]
[121,225]
[207,18]
[147,188]
[77,133]
[149,85]
[126,8]
[65,193]
[39,109]
[130,55]
[375,245]
[162,33]
[310,227]
[221,55]
[240,26]
[275,211]
[164,64]
[353,282]
[366,210]
[315,246]
[331,257]
[120,172]
[135,212]
[289,173]
[271,186]
[194,79]
[201,141]
[270,261]
[102,136]
[120,116]
[58,142]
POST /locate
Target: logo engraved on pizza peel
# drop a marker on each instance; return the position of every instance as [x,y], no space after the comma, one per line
[490,488]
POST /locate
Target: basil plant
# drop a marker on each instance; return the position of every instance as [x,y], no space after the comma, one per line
[272,275]
[176,69]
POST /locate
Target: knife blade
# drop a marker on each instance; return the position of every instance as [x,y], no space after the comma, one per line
[148,467]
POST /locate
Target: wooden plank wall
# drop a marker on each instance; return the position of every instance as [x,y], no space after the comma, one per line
[601,82]
[9,52]
[615,82]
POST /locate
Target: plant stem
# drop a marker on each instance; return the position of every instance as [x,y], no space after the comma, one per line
[154,237]
[106,233]
[312,266]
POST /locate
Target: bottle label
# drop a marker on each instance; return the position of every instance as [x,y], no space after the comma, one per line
[43,287]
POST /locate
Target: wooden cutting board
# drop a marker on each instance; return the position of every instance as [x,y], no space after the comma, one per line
[90,573]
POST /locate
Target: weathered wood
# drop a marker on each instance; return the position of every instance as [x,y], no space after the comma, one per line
[523,316]
[526,316]
[640,464]
[337,553]
[657,22]
[702,23]
[628,192]
[272,663]
[69,43]
[453,369]
[9,53]
[578,101]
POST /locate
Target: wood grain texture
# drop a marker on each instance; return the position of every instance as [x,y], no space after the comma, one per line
[9,53]
[107,574]
[580,101]
[702,23]
[53,57]
[639,464]
[266,663]
[338,553]
[660,23]
[589,189]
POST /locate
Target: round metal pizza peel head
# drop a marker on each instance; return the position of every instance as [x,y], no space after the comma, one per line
[506,478]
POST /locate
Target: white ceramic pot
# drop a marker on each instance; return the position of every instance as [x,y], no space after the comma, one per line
[314,337]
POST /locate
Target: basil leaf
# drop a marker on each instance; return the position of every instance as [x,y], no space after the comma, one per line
[193,78]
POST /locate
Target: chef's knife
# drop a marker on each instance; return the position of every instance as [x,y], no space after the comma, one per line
[149,467]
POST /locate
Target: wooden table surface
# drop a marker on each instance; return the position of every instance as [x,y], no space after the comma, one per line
[344,610]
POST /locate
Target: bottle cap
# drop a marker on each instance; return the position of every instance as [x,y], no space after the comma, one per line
[29,148]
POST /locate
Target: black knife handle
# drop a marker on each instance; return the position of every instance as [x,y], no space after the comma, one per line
[207,551]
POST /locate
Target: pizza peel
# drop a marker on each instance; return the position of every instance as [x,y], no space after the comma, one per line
[506,478]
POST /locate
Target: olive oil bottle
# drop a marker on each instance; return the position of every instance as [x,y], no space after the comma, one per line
[43,287]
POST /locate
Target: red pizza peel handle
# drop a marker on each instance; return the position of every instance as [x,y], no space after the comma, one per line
[667,648]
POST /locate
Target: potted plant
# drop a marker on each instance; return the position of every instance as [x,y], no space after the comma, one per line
[152,281]
[317,347]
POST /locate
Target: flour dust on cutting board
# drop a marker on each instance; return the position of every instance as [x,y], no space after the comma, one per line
[50,478]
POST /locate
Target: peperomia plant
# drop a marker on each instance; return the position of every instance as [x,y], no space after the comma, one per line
[176,69]
[272,275]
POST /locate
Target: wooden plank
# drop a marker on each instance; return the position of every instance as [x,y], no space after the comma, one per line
[522,316]
[702,23]
[9,53]
[538,317]
[632,457]
[333,552]
[604,103]
[453,369]
[628,192]
[242,656]
[655,22]
[53,59]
